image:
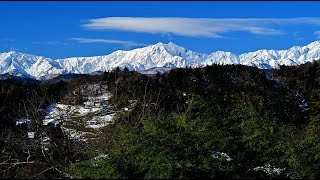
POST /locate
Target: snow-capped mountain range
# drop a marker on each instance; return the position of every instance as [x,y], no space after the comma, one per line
[157,56]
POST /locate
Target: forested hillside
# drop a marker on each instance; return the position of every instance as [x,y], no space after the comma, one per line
[229,121]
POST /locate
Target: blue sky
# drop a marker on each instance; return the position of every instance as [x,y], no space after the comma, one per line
[68,29]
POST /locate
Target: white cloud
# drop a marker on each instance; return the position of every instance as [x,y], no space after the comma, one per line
[18,49]
[317,33]
[49,43]
[108,41]
[197,27]
[7,40]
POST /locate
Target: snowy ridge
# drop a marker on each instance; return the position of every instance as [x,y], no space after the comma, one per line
[158,56]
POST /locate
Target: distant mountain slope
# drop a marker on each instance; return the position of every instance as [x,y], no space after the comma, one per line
[158,56]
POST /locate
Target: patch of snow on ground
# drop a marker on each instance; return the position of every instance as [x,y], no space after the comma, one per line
[99,121]
[303,106]
[84,110]
[101,156]
[269,169]
[21,121]
[75,134]
[50,121]
[103,97]
[216,155]
[31,135]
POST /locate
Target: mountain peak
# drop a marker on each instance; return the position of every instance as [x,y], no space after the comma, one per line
[173,45]
[159,44]
[12,52]
[15,53]
[9,53]
[314,44]
[170,44]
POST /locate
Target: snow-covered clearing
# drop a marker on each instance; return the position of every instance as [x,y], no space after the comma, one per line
[81,121]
